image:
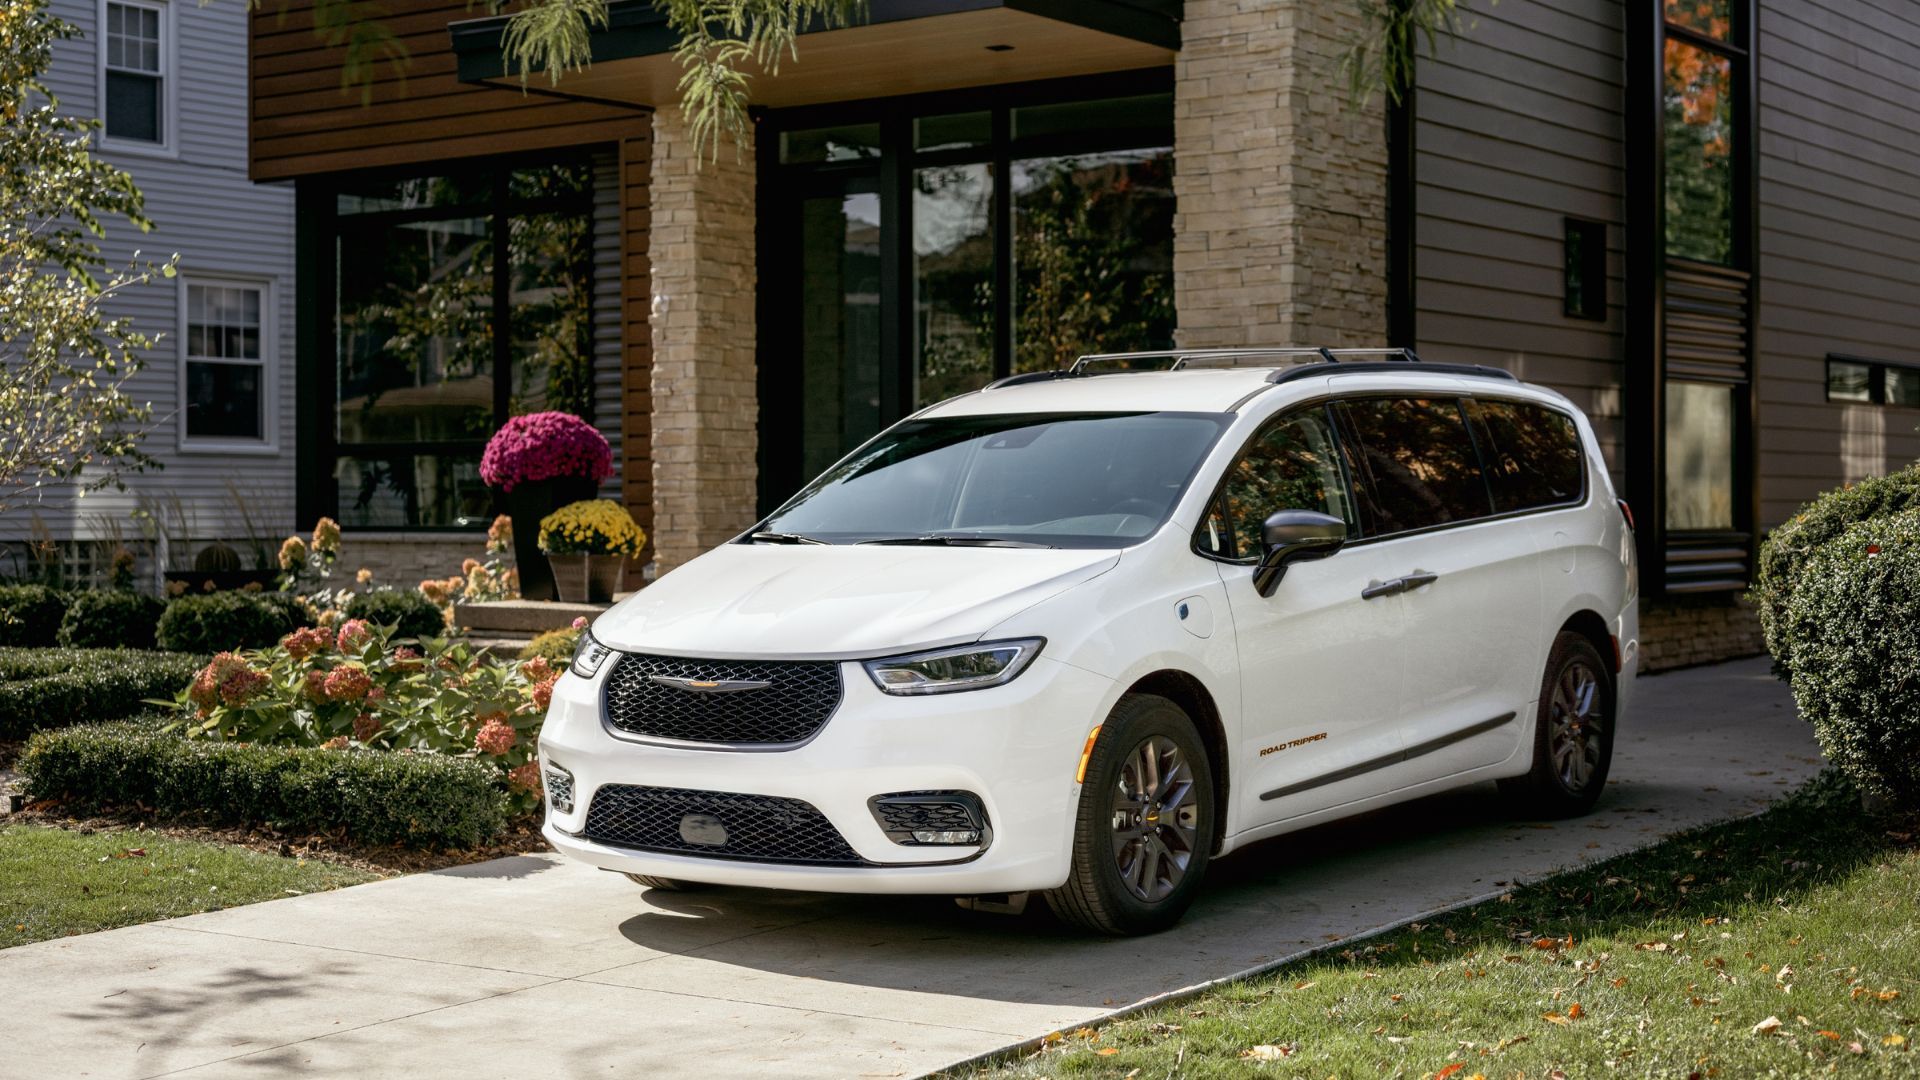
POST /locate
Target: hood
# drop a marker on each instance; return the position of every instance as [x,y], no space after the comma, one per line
[839,601]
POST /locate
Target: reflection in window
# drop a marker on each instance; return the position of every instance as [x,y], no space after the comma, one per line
[953,280]
[851,142]
[1416,462]
[408,490]
[1532,455]
[1903,387]
[1699,456]
[1699,153]
[1713,18]
[225,366]
[839,289]
[1849,381]
[1093,256]
[1292,465]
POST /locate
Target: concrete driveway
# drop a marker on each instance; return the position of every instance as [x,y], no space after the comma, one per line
[528,967]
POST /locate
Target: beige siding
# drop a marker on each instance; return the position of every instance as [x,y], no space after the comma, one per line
[1518,125]
[1839,236]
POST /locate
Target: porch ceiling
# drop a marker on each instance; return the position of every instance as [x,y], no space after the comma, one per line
[903,47]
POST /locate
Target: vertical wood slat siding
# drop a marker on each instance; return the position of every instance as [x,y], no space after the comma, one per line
[302,123]
[1839,161]
[1517,126]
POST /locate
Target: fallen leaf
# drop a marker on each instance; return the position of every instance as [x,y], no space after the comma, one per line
[1267,1052]
[1515,1041]
[1825,1034]
[1554,1018]
[1085,1033]
[1619,982]
[1304,985]
[1856,1048]
[1575,1012]
[1546,943]
[1449,1070]
[1895,1039]
[1768,1026]
[1107,1051]
[1889,995]
[132,853]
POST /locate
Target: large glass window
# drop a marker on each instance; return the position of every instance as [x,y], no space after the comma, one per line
[1699,153]
[1700,419]
[458,301]
[225,362]
[953,280]
[134,72]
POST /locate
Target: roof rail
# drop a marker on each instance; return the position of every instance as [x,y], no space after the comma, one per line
[1288,363]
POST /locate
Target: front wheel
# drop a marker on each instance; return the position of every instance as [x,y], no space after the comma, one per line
[1144,831]
[1573,736]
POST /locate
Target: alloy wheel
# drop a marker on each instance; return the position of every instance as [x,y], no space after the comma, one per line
[1155,819]
[1576,725]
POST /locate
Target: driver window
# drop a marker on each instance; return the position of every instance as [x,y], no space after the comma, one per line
[1294,464]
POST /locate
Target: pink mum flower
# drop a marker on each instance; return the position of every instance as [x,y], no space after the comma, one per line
[496,738]
[579,622]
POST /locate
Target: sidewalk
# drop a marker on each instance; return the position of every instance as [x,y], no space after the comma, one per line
[530,967]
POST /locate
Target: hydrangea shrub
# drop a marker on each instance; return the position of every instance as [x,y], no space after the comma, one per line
[542,446]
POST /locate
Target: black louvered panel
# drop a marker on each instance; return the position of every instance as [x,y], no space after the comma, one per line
[716,824]
[1708,562]
[1706,323]
[795,703]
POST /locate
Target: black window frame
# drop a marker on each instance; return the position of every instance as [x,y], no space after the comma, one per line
[318,227]
[1876,380]
[1592,288]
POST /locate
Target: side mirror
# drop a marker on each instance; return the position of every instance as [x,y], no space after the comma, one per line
[1293,536]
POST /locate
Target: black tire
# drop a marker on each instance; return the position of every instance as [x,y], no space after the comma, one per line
[1099,895]
[1572,736]
[665,884]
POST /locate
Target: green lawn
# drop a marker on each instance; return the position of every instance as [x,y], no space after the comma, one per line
[1782,945]
[55,882]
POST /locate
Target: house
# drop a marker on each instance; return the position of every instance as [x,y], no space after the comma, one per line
[1698,218]
[165,79]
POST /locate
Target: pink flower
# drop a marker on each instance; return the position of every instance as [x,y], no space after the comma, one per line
[496,738]
[227,679]
[536,669]
[579,622]
[525,777]
[354,635]
[365,727]
[543,692]
[338,742]
[315,685]
[377,694]
[305,642]
[407,658]
[544,445]
[347,684]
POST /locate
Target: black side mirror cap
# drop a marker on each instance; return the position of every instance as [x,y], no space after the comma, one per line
[1293,536]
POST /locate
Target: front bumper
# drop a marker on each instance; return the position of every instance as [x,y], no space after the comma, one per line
[1016,747]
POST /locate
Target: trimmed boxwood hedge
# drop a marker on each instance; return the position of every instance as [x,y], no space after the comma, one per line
[229,621]
[110,619]
[1788,549]
[1852,631]
[414,615]
[375,796]
[30,615]
[58,687]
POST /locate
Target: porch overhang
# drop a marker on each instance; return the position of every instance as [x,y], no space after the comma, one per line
[901,47]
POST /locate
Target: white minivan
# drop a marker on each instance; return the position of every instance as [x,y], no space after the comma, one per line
[1082,631]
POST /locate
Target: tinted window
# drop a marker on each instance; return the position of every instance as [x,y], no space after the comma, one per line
[1532,455]
[1061,479]
[1414,463]
[1291,465]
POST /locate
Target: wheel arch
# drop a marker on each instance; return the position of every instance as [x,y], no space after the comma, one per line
[1591,625]
[1188,692]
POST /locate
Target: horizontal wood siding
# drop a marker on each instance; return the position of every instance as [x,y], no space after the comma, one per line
[304,121]
[220,223]
[1839,236]
[1517,126]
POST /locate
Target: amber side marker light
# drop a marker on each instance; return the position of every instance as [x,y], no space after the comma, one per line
[1086,752]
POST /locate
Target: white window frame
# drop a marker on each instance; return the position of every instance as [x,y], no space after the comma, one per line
[270,366]
[169,144]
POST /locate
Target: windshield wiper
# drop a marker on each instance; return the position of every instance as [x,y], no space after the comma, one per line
[937,539]
[784,538]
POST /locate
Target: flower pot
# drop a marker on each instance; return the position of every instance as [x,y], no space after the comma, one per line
[588,579]
[527,503]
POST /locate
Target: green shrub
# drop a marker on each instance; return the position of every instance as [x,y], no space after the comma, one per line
[90,685]
[225,621]
[1852,631]
[30,615]
[413,614]
[1787,550]
[110,619]
[554,645]
[375,796]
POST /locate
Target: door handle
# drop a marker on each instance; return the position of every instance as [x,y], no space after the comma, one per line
[1384,588]
[1417,579]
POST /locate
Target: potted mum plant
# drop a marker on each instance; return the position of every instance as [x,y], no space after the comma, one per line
[588,544]
[538,463]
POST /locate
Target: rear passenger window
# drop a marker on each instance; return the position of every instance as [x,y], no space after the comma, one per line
[1292,464]
[1532,455]
[1414,464]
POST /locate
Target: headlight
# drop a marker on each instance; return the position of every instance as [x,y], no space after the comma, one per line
[588,655]
[945,671]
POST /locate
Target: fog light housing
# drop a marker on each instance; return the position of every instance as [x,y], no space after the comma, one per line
[559,785]
[932,818]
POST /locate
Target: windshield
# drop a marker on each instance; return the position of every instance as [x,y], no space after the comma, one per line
[1078,480]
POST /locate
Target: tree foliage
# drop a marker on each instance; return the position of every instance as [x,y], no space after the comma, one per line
[64,363]
[1382,57]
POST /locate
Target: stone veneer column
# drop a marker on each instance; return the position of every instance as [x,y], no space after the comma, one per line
[1281,233]
[705,412]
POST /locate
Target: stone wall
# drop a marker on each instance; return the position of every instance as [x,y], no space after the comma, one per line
[1281,233]
[705,409]
[1677,633]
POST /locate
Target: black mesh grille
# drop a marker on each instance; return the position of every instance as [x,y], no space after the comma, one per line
[902,814]
[759,828]
[801,695]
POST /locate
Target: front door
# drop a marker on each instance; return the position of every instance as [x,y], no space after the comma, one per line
[1320,661]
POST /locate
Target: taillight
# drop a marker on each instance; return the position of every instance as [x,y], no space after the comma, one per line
[1626,512]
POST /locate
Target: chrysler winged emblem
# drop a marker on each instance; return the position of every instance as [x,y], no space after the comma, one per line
[710,686]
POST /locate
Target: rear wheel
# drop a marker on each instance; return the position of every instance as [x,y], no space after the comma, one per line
[1144,831]
[1573,736]
[665,884]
